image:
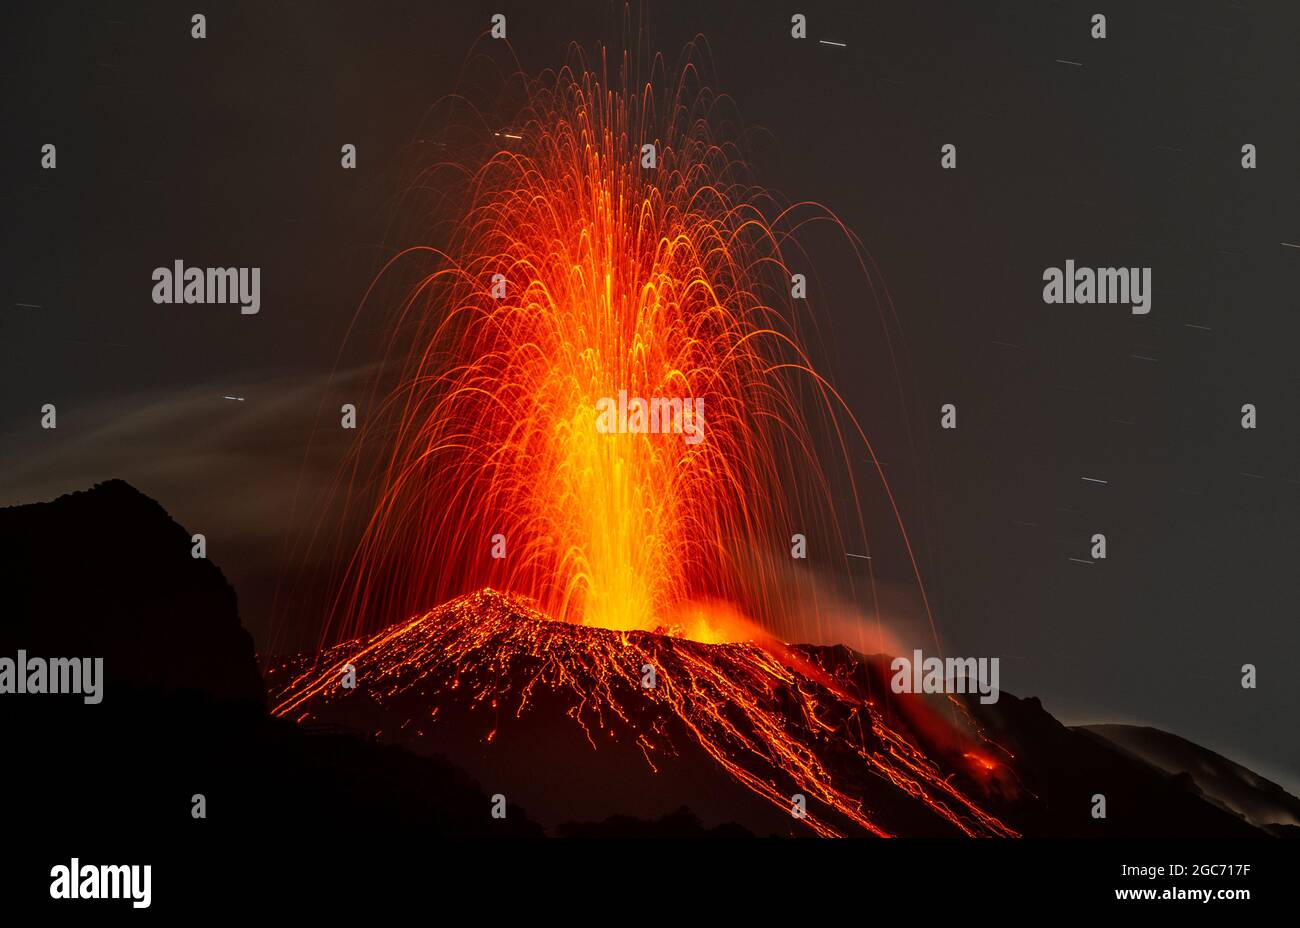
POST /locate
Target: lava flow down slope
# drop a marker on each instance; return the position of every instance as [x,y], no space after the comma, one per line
[568,721]
[603,248]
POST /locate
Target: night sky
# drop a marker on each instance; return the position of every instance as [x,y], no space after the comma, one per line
[1117,152]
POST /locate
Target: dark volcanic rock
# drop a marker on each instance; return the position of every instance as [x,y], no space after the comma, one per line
[557,715]
[680,824]
[106,572]
[553,716]
[1225,782]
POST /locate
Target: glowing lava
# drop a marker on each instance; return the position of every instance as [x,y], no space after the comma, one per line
[770,727]
[579,272]
[611,244]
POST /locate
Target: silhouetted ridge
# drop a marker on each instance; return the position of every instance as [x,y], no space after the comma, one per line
[557,716]
[106,572]
[1225,782]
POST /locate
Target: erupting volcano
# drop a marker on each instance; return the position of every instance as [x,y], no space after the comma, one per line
[611,244]
[778,723]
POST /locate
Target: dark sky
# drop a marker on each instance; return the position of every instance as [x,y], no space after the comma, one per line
[1116,152]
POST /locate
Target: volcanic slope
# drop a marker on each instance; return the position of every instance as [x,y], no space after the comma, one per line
[560,719]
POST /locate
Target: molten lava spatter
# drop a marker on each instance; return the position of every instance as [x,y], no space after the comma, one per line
[610,251]
[773,729]
[613,251]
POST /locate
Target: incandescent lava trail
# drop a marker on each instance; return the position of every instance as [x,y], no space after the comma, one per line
[772,728]
[609,242]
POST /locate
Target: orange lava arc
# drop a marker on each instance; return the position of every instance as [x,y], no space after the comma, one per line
[609,248]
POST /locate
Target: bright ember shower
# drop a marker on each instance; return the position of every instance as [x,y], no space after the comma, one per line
[606,401]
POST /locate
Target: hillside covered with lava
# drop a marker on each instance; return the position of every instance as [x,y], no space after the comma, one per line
[486,696]
[563,720]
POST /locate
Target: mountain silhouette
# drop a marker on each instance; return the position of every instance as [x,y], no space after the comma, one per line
[560,716]
[1258,800]
[107,573]
[486,696]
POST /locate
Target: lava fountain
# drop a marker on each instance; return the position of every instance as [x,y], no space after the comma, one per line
[605,412]
[608,244]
